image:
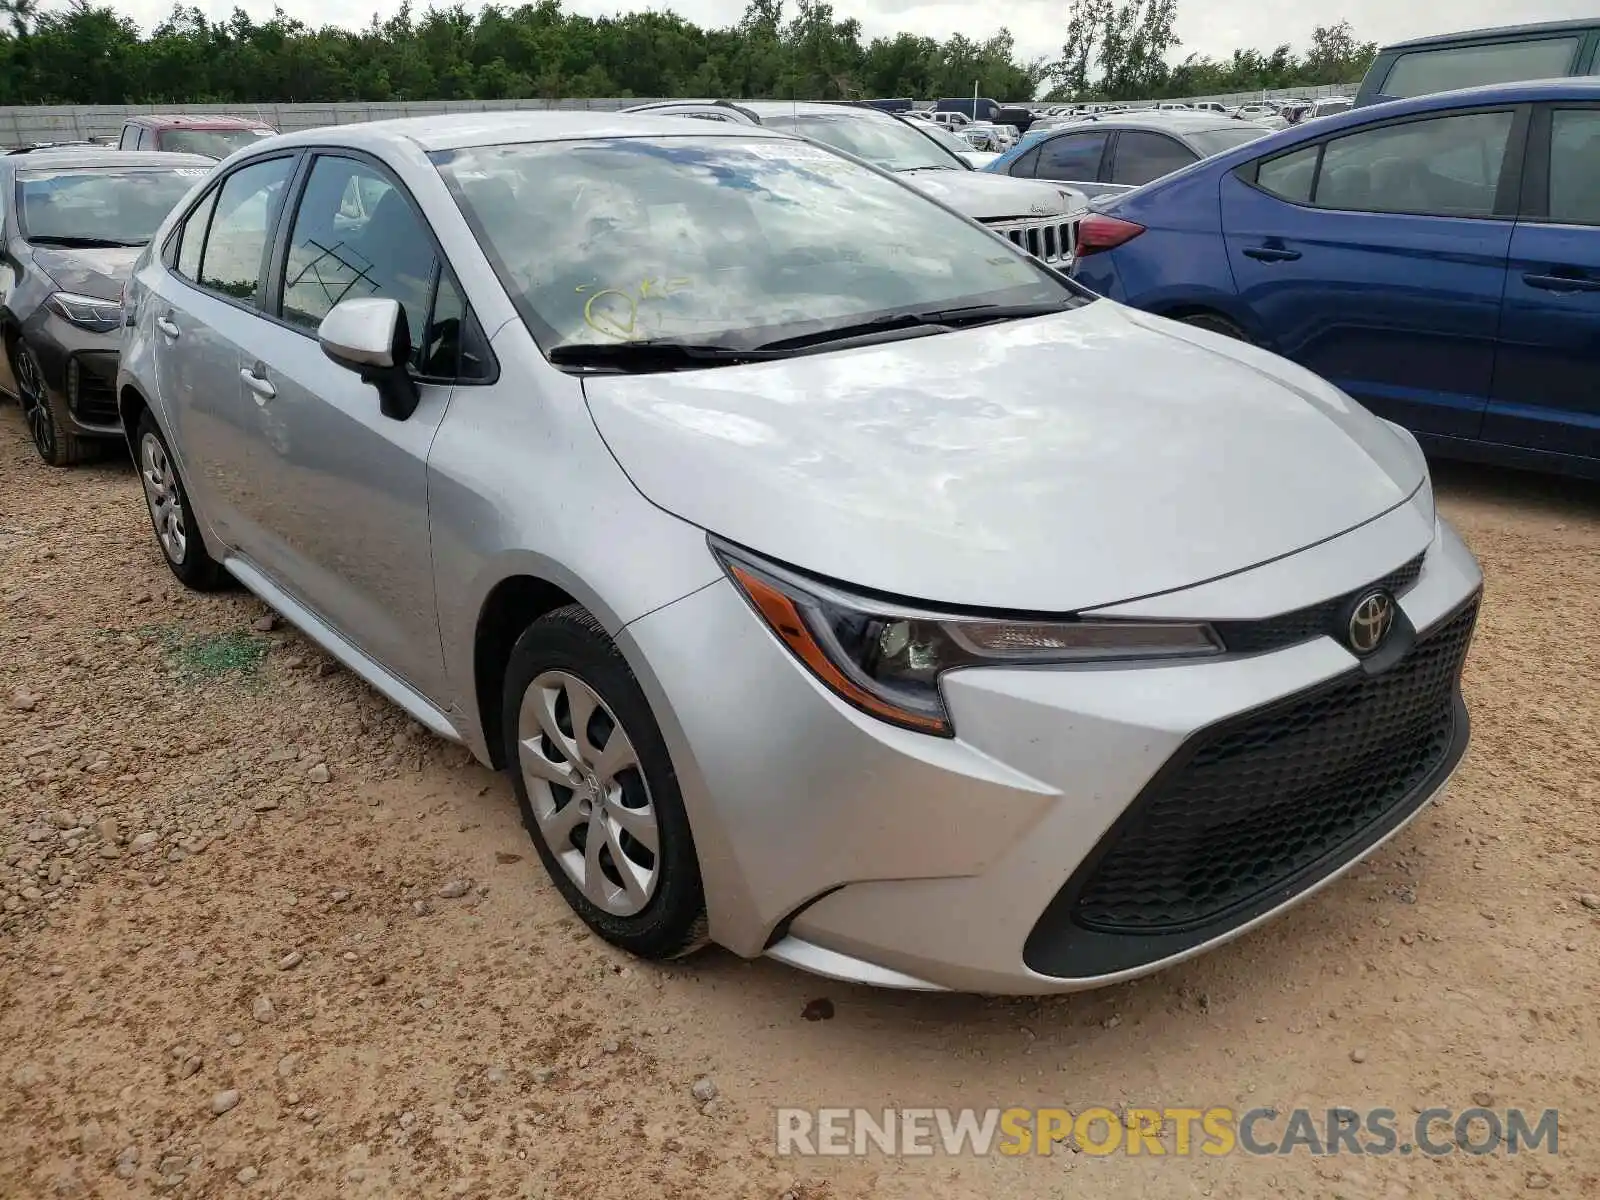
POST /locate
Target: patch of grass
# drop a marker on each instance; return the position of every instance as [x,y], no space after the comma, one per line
[208,656]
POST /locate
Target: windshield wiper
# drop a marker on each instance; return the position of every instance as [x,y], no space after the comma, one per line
[913,324]
[655,354]
[87,243]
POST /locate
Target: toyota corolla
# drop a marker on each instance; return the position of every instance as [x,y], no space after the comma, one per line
[833,580]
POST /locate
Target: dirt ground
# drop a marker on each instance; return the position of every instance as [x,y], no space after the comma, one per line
[221,862]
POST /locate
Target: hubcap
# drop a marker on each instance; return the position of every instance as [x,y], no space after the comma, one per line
[30,387]
[590,799]
[161,492]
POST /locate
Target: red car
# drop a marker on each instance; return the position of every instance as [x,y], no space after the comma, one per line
[192,133]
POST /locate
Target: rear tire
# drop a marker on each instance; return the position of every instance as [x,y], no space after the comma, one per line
[171,515]
[597,789]
[1216,323]
[49,423]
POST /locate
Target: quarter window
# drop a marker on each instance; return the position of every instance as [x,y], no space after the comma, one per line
[1290,176]
[192,237]
[1423,72]
[1447,166]
[1141,157]
[246,212]
[355,234]
[1575,166]
[1075,157]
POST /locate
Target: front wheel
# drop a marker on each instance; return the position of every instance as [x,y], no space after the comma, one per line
[171,515]
[597,788]
[49,424]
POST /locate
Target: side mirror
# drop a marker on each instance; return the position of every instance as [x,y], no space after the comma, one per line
[369,335]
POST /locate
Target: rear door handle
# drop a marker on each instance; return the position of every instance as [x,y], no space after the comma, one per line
[167,327]
[261,387]
[1561,283]
[1271,254]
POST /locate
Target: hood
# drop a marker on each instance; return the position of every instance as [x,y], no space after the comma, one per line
[986,197]
[99,272]
[1053,464]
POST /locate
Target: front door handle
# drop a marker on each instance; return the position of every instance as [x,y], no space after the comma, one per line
[167,326]
[261,387]
[1561,283]
[1271,254]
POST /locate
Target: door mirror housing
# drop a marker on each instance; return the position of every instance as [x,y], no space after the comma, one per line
[369,335]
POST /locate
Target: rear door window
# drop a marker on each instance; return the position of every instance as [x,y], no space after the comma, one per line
[1141,156]
[1423,72]
[1072,157]
[246,214]
[1445,166]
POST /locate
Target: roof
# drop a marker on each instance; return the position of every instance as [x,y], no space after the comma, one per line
[1169,121]
[454,131]
[1501,31]
[195,121]
[1579,88]
[69,157]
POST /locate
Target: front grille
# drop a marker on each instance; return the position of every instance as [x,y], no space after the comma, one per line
[1258,803]
[91,388]
[1049,239]
[1274,633]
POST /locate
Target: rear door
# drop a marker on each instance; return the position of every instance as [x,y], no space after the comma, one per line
[1377,259]
[1546,392]
[204,307]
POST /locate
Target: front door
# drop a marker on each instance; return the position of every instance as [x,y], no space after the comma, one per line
[1377,260]
[1547,377]
[347,516]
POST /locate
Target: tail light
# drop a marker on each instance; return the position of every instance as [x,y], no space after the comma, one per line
[1098,232]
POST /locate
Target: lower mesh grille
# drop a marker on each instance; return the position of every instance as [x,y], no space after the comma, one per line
[91,391]
[1257,802]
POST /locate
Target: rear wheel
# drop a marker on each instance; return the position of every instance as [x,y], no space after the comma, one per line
[49,424]
[172,517]
[597,789]
[1216,323]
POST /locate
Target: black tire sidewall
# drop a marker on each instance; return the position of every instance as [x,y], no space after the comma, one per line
[570,640]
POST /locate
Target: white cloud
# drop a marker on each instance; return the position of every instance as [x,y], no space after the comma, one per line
[1209,27]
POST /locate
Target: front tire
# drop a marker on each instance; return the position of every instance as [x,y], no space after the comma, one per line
[171,515]
[597,789]
[49,423]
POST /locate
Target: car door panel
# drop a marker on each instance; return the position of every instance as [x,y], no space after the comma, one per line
[1400,309]
[1545,394]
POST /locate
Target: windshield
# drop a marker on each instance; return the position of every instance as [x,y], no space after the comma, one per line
[117,205]
[215,143]
[884,142]
[946,139]
[730,241]
[1215,141]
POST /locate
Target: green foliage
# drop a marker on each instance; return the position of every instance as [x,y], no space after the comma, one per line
[1130,42]
[86,54]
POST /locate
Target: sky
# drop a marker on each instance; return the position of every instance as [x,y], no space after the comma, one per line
[1209,27]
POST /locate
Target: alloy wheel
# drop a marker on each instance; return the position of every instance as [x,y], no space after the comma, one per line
[590,801]
[35,403]
[161,493]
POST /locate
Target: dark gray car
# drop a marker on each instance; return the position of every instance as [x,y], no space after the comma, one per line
[1103,155]
[73,222]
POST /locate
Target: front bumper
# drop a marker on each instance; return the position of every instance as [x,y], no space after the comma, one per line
[80,366]
[851,848]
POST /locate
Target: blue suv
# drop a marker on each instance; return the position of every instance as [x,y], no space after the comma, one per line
[1437,258]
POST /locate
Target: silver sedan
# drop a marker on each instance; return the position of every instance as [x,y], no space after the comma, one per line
[833,580]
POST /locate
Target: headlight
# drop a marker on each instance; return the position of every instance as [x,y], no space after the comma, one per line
[886,658]
[87,312]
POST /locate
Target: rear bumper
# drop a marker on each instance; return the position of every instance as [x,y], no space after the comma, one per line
[847,847]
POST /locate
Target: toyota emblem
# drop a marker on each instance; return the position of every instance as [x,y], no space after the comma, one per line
[1370,621]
